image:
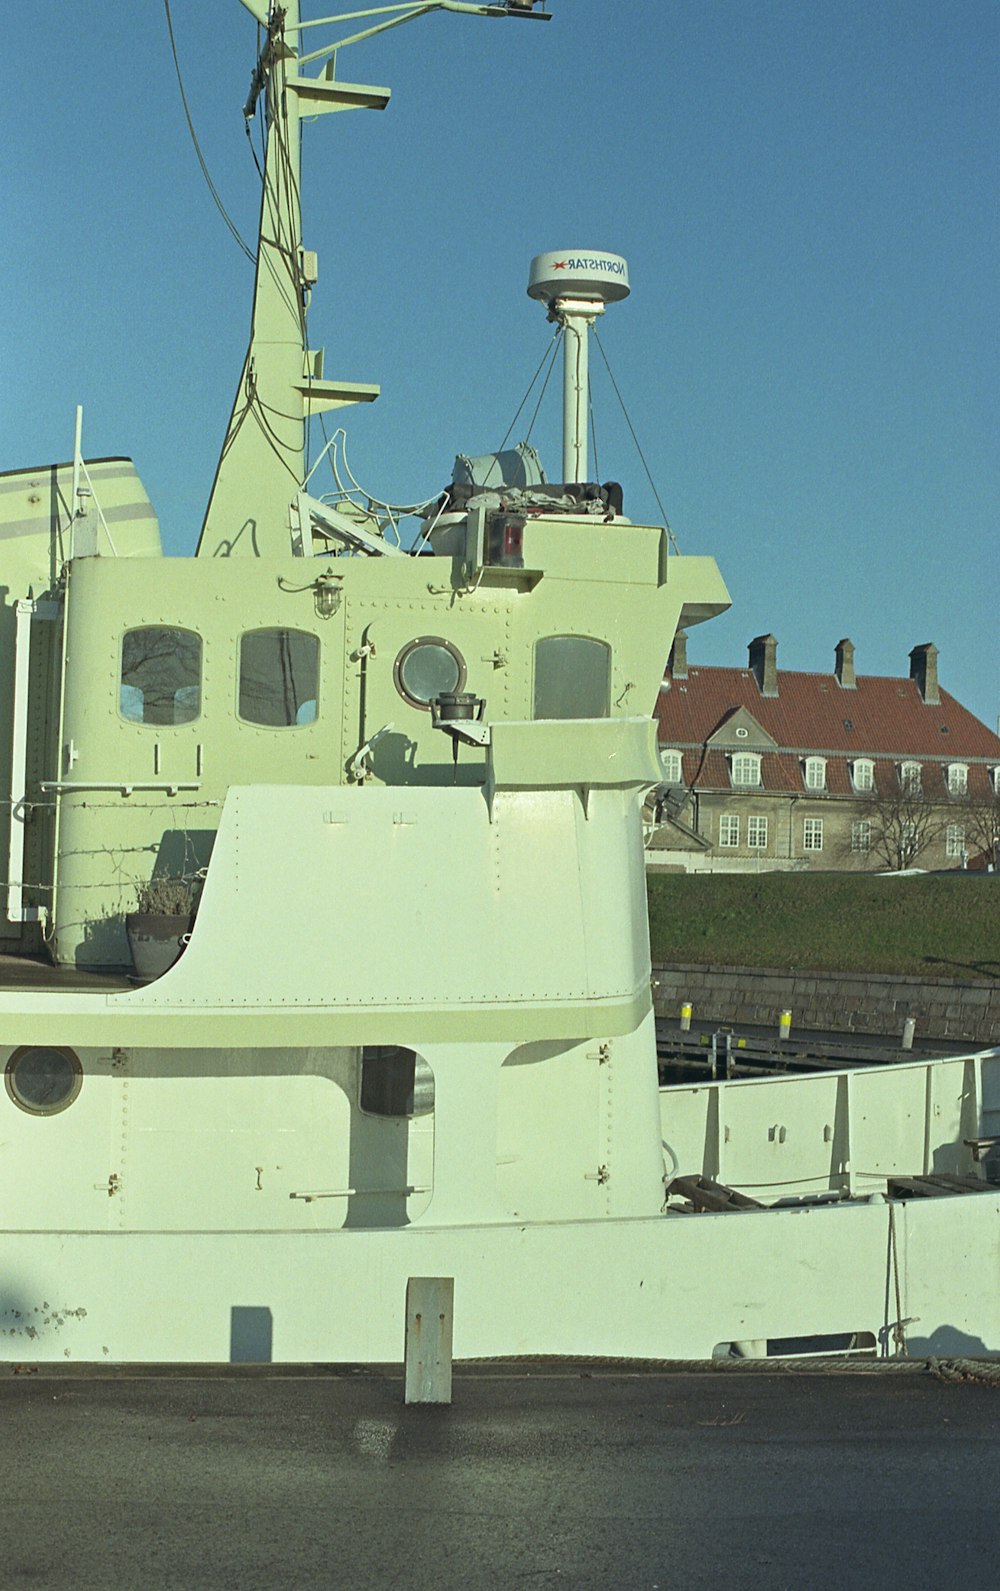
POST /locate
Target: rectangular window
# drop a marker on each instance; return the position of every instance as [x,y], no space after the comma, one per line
[729,832]
[746,768]
[757,834]
[279,677]
[160,676]
[572,677]
[861,836]
[864,774]
[815,773]
[671,764]
[812,834]
[958,778]
[909,778]
[955,840]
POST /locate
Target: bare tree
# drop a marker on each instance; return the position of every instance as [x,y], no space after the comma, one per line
[899,826]
[980,817]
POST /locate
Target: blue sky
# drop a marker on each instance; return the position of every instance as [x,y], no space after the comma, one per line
[807,198]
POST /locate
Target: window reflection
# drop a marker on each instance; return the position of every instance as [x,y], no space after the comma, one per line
[572,677]
[160,676]
[279,677]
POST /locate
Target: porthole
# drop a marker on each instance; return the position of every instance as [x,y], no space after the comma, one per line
[428,667]
[43,1081]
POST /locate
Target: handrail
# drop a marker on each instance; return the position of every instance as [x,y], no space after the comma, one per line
[126,786]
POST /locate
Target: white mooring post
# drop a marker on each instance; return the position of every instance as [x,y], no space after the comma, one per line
[685,1016]
[909,1028]
[784,1024]
[430,1309]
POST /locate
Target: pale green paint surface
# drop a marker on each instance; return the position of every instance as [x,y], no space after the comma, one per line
[109,841]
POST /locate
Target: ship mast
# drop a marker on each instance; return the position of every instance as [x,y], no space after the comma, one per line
[262,464]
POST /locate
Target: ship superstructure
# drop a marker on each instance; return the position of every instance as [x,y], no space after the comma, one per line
[410,1029]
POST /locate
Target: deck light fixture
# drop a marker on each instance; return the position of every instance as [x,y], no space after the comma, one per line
[328,594]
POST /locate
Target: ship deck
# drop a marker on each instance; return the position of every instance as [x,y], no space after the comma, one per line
[37,973]
[580,1475]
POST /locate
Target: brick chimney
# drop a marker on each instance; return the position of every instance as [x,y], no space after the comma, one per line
[844,664]
[923,668]
[763,651]
[678,665]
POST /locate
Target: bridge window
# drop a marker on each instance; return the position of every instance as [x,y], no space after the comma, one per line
[279,677]
[572,677]
[160,676]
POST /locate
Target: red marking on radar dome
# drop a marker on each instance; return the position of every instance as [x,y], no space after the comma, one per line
[559,265]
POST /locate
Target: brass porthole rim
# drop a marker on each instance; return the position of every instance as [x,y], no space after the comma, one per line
[43,1110]
[411,646]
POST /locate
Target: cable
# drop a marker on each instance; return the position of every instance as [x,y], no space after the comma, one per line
[197,147]
[635,439]
[548,354]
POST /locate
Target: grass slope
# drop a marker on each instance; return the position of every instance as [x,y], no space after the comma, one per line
[944,927]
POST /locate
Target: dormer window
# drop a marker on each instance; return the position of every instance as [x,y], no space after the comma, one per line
[745,768]
[958,778]
[815,773]
[863,773]
[909,778]
[670,761]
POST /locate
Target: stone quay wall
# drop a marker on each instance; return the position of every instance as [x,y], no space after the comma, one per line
[877,1004]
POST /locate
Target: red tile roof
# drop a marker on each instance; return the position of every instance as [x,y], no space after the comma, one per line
[880,718]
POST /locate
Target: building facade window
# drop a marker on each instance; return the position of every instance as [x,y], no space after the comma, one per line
[729,832]
[812,834]
[815,773]
[954,843]
[670,761]
[908,842]
[861,836]
[909,778]
[745,768]
[958,778]
[757,834]
[863,773]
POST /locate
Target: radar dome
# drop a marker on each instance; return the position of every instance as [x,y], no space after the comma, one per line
[578,273]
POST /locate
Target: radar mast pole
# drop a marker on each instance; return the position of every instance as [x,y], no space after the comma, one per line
[576,285]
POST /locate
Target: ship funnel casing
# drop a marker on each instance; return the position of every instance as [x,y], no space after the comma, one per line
[589,274]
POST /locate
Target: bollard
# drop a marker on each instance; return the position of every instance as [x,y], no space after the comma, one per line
[909,1028]
[784,1024]
[430,1307]
[685,1016]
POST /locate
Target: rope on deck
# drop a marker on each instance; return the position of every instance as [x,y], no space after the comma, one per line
[986,1372]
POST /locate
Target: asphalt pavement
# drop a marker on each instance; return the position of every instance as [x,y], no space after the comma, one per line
[535,1477]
